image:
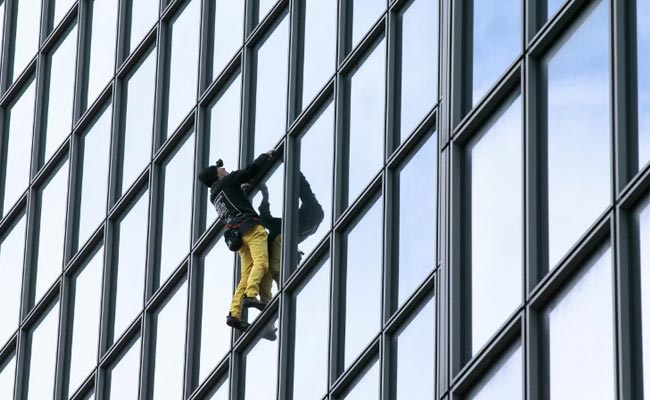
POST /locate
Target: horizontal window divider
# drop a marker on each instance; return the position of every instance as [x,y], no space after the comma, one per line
[636,190]
[310,114]
[56,160]
[125,202]
[38,310]
[11,216]
[20,83]
[223,81]
[416,138]
[359,367]
[9,349]
[367,45]
[268,24]
[168,288]
[251,334]
[134,60]
[180,134]
[424,293]
[310,266]
[547,36]
[122,344]
[217,376]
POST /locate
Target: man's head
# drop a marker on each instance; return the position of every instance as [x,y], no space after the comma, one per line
[209,175]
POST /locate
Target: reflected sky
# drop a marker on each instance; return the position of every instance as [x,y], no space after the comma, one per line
[643,56]
[228,32]
[42,356]
[364,15]
[218,269]
[504,380]
[580,328]
[416,356]
[7,372]
[367,388]
[578,130]
[102,46]
[144,13]
[552,6]
[643,221]
[26,35]
[221,393]
[363,282]
[12,248]
[419,63]
[261,370]
[124,376]
[494,161]
[497,40]
[264,7]
[271,88]
[311,336]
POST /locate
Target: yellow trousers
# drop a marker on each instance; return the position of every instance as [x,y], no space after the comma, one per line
[254,257]
[273,274]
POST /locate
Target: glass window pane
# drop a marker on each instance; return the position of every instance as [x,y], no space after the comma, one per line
[228,32]
[261,370]
[264,7]
[102,46]
[87,289]
[131,264]
[311,336]
[319,48]
[144,14]
[223,120]
[52,230]
[19,146]
[94,179]
[365,14]
[12,251]
[578,113]
[2,21]
[419,86]
[61,8]
[367,388]
[124,376]
[417,218]
[494,167]
[416,356]
[61,93]
[367,121]
[183,66]
[643,79]
[177,208]
[28,22]
[363,282]
[170,345]
[42,356]
[552,6]
[580,328]
[138,123]
[504,380]
[271,84]
[496,42]
[217,271]
[316,182]
[7,372]
[643,225]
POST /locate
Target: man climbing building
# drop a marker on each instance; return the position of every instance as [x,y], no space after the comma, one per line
[244,231]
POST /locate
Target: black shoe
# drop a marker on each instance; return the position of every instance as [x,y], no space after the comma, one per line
[253,302]
[269,333]
[237,323]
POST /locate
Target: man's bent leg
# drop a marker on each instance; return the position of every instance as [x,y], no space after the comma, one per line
[256,240]
[273,274]
[246,262]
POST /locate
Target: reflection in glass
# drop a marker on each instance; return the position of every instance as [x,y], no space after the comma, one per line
[42,355]
[94,179]
[2,21]
[367,88]
[51,230]
[61,93]
[364,15]
[271,85]
[12,249]
[228,32]
[19,146]
[61,8]
[580,328]
[224,133]
[643,79]
[319,48]
[363,282]
[552,6]
[417,218]
[504,380]
[87,290]
[416,356]
[183,70]
[264,7]
[26,42]
[170,345]
[494,163]
[138,125]
[367,388]
[177,208]
[131,264]
[419,83]
[496,42]
[144,14]
[261,370]
[102,46]
[311,336]
[578,130]
[217,272]
[643,226]
[124,376]
[316,182]
[7,372]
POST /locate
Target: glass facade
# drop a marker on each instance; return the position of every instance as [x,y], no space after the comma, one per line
[458,199]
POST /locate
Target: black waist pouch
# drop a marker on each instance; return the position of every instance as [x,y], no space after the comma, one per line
[233,238]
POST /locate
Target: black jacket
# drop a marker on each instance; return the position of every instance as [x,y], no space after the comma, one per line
[230,201]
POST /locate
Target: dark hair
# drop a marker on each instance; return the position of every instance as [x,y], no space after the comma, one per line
[208,176]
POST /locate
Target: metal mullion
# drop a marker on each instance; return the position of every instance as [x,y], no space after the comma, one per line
[443,281]
[296,59]
[357,370]
[5,43]
[215,380]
